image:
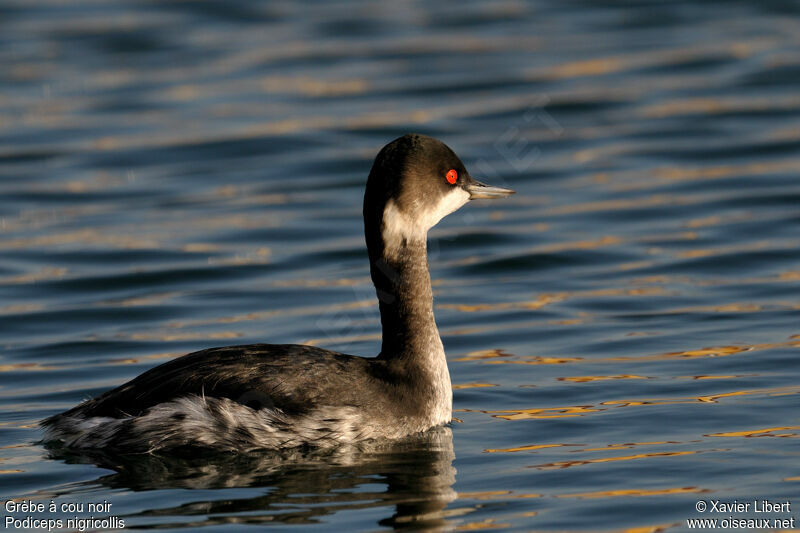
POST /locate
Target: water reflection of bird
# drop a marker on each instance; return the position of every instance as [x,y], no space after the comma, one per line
[413,475]
[282,396]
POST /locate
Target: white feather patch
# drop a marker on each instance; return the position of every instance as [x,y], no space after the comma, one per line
[399,226]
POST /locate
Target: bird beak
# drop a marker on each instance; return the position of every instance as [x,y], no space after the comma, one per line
[478,190]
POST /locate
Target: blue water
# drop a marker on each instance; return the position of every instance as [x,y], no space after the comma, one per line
[622,334]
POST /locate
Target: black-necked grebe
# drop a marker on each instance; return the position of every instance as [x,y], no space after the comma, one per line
[286,395]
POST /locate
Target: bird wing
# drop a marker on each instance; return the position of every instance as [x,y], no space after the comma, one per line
[291,377]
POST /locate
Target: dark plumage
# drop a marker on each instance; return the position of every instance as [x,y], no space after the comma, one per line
[279,396]
[253,375]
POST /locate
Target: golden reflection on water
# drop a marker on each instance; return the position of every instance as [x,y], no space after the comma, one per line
[15,309]
[586,379]
[612,205]
[634,492]
[495,494]
[582,410]
[261,315]
[186,336]
[717,351]
[536,360]
[548,298]
[528,448]
[488,523]
[729,249]
[29,367]
[474,385]
[720,376]
[544,412]
[717,105]
[137,360]
[711,398]
[258,256]
[150,299]
[314,283]
[569,464]
[484,354]
[649,529]
[269,84]
[628,446]
[766,432]
[129,237]
[630,181]
[490,357]
[84,236]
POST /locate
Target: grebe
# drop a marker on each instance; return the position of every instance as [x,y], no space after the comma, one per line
[277,396]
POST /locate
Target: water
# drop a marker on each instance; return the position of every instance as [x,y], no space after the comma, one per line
[623,333]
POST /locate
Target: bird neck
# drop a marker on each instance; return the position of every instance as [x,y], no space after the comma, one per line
[411,344]
[403,286]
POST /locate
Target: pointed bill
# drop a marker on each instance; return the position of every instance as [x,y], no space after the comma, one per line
[478,190]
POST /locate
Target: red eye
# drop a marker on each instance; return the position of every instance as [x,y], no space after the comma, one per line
[452,176]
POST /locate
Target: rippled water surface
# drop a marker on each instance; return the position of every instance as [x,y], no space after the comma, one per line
[622,334]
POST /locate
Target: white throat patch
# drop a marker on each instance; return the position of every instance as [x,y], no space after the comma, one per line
[398,226]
